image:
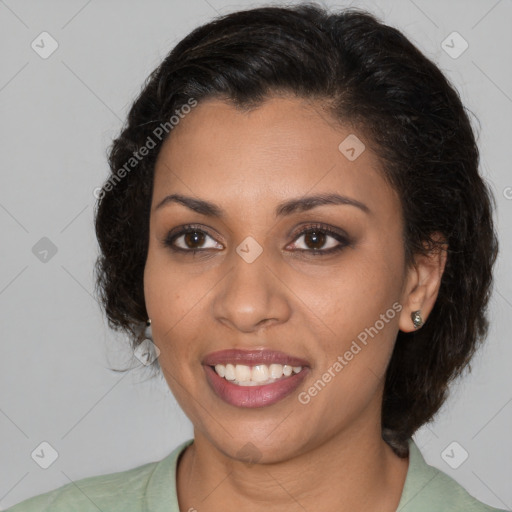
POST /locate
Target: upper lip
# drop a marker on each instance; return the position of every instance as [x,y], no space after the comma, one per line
[252,357]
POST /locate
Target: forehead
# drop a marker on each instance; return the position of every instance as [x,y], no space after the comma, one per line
[286,147]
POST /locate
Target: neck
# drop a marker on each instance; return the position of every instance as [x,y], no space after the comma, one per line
[350,471]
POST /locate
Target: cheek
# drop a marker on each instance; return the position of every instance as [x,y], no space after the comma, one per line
[351,309]
[354,352]
[171,293]
[351,296]
[177,301]
[169,299]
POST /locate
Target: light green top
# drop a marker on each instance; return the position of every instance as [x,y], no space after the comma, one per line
[152,488]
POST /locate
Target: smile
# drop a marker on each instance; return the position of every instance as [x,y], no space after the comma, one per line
[261,374]
[254,378]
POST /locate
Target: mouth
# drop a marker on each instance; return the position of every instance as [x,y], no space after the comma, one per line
[254,378]
[258,375]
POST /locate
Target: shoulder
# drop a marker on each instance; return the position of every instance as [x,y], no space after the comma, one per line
[427,489]
[125,491]
[92,493]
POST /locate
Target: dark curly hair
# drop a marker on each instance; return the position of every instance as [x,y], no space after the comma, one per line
[371,77]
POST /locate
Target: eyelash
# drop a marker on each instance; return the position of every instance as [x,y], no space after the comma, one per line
[343,239]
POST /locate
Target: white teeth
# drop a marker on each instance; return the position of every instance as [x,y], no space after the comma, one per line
[244,375]
[229,373]
[242,372]
[259,373]
[276,370]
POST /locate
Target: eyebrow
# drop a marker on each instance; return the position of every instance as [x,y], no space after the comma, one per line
[300,204]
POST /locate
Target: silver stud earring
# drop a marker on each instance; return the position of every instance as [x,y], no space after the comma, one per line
[147,331]
[146,352]
[416,319]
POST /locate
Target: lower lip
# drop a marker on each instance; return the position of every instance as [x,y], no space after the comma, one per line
[253,396]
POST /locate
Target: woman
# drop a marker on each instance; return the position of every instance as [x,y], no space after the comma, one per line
[295,233]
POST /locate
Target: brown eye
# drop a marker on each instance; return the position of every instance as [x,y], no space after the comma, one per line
[190,239]
[314,239]
[320,240]
[193,238]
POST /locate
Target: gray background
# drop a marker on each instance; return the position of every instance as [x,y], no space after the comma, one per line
[58,116]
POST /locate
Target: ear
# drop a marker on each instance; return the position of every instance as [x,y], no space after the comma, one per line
[422,284]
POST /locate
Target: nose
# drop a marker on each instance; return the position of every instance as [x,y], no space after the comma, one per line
[251,296]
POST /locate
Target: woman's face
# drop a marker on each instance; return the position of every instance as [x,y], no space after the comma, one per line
[260,281]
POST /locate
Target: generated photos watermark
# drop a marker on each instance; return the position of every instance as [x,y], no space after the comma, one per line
[304,397]
[152,140]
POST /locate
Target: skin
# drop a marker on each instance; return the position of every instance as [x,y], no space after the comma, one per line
[327,454]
